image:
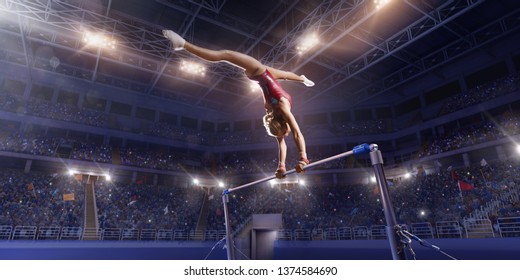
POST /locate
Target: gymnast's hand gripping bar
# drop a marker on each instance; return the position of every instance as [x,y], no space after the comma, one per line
[360,149]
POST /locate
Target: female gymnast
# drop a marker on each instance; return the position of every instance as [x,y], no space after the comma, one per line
[279,120]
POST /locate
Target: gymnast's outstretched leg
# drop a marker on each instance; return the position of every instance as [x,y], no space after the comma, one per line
[251,66]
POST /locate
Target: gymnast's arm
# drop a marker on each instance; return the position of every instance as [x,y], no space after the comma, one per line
[282,150]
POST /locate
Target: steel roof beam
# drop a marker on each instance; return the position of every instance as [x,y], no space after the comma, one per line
[418,29]
[460,47]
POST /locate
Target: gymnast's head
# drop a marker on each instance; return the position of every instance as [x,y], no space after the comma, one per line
[275,125]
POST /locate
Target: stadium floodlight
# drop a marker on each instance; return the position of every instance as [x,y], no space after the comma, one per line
[307,43]
[221,184]
[518,149]
[72,172]
[98,40]
[108,177]
[196,181]
[407,175]
[193,67]
[301,182]
[381,3]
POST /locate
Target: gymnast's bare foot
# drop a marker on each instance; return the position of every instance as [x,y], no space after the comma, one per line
[301,165]
[176,39]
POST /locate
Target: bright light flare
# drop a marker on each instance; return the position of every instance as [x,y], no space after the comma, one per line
[518,149]
[407,175]
[108,178]
[254,86]
[381,3]
[99,40]
[72,172]
[221,184]
[196,181]
[307,43]
[193,68]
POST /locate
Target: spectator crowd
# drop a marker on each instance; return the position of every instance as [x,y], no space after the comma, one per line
[37,199]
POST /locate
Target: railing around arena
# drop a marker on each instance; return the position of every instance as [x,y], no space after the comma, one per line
[478,228]
[509,227]
[361,233]
[475,228]
[317,234]
[196,235]
[148,234]
[211,235]
[180,234]
[71,233]
[48,233]
[331,234]
[378,232]
[24,233]
[5,232]
[302,234]
[111,234]
[284,234]
[130,234]
[165,234]
[345,233]
[422,230]
[448,229]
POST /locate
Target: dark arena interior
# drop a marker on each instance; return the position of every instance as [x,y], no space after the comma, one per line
[116,146]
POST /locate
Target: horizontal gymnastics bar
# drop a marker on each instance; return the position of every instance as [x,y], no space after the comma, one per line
[360,149]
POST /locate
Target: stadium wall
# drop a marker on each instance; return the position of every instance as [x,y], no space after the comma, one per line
[462,249]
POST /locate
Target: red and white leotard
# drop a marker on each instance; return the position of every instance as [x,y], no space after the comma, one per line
[272,90]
